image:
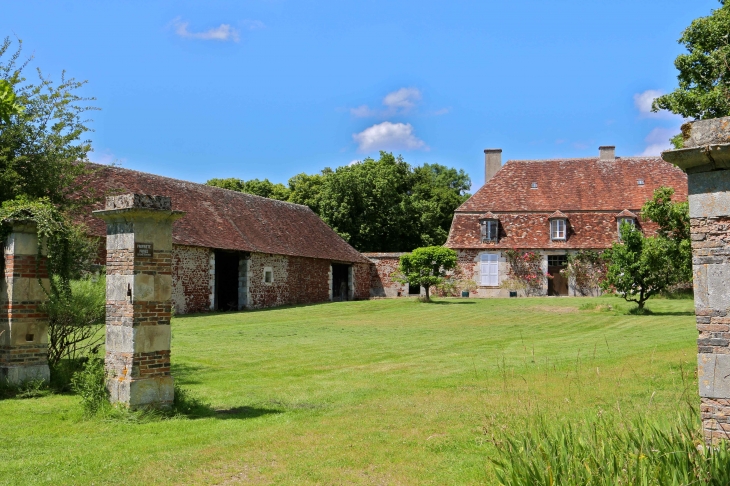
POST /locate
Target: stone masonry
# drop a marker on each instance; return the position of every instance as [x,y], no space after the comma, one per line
[139,291]
[23,326]
[706,158]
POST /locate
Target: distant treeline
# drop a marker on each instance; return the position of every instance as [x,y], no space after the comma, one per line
[375,205]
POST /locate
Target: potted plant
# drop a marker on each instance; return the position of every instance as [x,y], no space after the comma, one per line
[513,285]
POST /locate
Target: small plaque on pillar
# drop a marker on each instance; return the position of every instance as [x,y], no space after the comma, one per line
[143,250]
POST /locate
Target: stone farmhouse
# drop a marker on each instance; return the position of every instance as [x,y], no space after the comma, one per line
[233,251]
[553,207]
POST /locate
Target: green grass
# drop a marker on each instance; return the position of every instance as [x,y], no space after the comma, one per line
[373,392]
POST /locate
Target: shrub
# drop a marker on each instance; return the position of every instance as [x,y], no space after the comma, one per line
[607,452]
[75,319]
[90,385]
[525,269]
[586,270]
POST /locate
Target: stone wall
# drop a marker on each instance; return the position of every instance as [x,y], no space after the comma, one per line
[711,262]
[381,284]
[362,280]
[191,282]
[296,280]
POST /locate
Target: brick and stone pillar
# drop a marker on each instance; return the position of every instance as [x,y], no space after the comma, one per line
[706,159]
[23,326]
[139,299]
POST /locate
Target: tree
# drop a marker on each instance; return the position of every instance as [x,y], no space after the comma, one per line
[257,187]
[41,143]
[426,267]
[673,221]
[8,102]
[704,72]
[640,267]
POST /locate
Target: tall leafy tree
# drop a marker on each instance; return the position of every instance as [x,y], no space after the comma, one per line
[257,187]
[704,71]
[42,141]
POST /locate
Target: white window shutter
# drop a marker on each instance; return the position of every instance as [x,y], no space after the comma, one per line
[489,269]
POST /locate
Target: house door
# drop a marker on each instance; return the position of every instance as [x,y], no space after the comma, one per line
[340,282]
[226,280]
[558,285]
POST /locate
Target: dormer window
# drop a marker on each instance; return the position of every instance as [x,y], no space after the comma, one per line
[627,217]
[557,229]
[533,185]
[558,226]
[489,228]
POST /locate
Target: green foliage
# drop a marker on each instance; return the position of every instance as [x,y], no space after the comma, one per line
[376,205]
[90,385]
[257,187]
[677,141]
[426,267]
[68,248]
[673,220]
[42,144]
[704,72]
[75,320]
[586,270]
[8,102]
[640,267]
[608,452]
[525,271]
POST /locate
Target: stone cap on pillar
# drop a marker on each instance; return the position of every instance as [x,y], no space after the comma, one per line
[706,146]
[160,206]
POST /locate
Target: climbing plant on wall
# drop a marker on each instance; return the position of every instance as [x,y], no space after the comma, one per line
[525,268]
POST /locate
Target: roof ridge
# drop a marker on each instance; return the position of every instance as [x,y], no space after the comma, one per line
[597,159]
[157,176]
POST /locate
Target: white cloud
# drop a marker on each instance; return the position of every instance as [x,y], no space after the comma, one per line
[253,24]
[106,157]
[224,32]
[643,101]
[658,141]
[404,99]
[388,136]
[353,162]
[396,103]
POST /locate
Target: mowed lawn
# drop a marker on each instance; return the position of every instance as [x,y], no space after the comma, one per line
[372,392]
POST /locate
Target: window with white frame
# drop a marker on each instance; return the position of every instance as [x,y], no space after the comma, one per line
[489,270]
[558,229]
[268,275]
[490,230]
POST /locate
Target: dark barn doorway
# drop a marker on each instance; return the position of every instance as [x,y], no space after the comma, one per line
[414,289]
[340,282]
[558,285]
[226,280]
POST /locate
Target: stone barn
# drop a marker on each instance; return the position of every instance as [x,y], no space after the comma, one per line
[553,207]
[236,251]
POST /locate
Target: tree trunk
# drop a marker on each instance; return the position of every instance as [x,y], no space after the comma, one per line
[428,297]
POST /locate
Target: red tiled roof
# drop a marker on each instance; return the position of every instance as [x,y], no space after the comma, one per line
[557,215]
[229,220]
[626,214]
[589,192]
[489,215]
[576,184]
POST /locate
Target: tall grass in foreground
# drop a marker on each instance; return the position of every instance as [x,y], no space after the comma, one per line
[610,452]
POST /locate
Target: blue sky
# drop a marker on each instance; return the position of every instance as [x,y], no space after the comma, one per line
[272,88]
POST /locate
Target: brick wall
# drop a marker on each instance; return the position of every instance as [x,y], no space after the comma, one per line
[381,283]
[296,280]
[362,280]
[191,282]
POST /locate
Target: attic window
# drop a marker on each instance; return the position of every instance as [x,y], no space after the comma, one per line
[533,185]
[558,229]
[639,182]
[621,221]
[490,230]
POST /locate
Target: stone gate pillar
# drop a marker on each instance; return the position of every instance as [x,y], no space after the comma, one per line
[706,159]
[23,326]
[138,299]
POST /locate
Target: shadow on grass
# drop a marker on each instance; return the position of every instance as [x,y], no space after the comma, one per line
[190,406]
[677,313]
[448,302]
[184,373]
[244,413]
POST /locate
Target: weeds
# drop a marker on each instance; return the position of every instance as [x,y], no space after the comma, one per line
[90,385]
[607,452]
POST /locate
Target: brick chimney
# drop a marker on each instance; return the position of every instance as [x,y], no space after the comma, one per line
[492,163]
[607,152]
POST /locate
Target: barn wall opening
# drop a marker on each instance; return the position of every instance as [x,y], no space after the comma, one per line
[226,280]
[414,289]
[340,282]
